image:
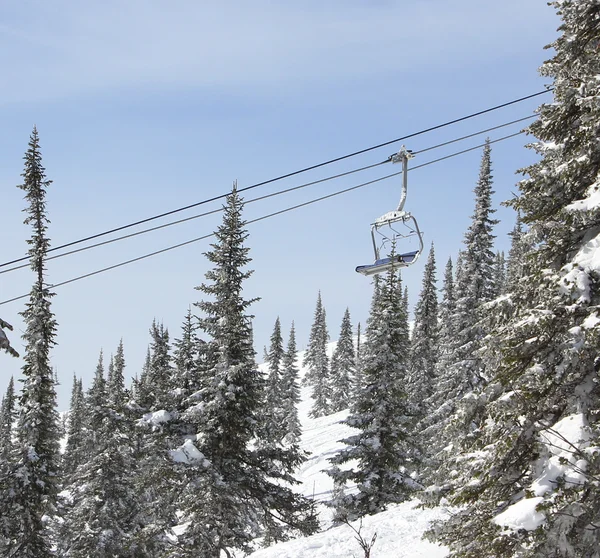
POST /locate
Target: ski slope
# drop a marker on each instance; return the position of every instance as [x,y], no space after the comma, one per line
[399,530]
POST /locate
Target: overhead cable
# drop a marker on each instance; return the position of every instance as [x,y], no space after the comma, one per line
[278,193]
[281,177]
[286,210]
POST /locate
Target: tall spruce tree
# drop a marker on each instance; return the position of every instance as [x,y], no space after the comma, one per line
[7,418]
[185,357]
[424,342]
[290,391]
[537,477]
[75,448]
[102,509]
[34,488]
[474,286]
[234,486]
[343,367]
[383,448]
[317,362]
[520,247]
[274,427]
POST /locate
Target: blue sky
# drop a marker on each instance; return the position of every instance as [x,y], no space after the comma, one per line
[146,106]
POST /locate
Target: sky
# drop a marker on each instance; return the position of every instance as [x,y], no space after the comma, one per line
[143,107]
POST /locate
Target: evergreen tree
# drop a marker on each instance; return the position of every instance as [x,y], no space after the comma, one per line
[116,380]
[102,509]
[520,247]
[34,488]
[499,277]
[233,485]
[185,356]
[343,367]
[383,448]
[538,451]
[474,286]
[75,448]
[7,419]
[317,362]
[290,391]
[274,427]
[424,342]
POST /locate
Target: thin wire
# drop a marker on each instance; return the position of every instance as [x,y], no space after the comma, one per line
[288,209]
[360,152]
[212,212]
[475,134]
[207,213]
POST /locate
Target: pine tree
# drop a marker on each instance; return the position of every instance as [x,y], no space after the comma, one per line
[383,448]
[36,461]
[102,509]
[518,255]
[75,448]
[499,277]
[7,419]
[232,484]
[424,342]
[343,367]
[317,362]
[290,391]
[274,427]
[538,452]
[116,380]
[185,356]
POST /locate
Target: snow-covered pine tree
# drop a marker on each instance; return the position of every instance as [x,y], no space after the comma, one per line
[7,418]
[158,429]
[34,487]
[116,381]
[424,342]
[520,247]
[102,508]
[156,381]
[274,427]
[537,478]
[383,448]
[75,448]
[290,391]
[234,486]
[343,367]
[185,356]
[7,453]
[464,367]
[499,277]
[317,362]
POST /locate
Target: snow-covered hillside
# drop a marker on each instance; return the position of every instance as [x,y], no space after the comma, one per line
[399,529]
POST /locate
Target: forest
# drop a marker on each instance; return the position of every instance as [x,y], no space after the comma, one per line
[485,401]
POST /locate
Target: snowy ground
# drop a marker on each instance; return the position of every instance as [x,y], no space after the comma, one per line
[399,529]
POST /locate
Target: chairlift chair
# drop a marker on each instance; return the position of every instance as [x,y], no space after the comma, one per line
[393,228]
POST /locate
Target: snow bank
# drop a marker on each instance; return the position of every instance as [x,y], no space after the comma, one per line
[522,515]
[399,535]
[399,529]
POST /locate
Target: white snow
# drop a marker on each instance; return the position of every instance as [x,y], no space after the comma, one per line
[157,417]
[563,442]
[399,530]
[522,515]
[576,275]
[188,453]
[589,203]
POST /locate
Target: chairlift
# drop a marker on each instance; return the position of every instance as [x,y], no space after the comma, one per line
[394,229]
